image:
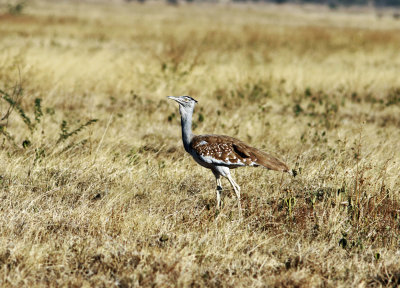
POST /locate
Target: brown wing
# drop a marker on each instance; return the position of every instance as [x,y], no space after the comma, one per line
[231,152]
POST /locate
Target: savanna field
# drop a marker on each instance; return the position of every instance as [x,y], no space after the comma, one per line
[97,190]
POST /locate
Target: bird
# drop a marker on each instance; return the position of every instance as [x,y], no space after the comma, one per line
[220,153]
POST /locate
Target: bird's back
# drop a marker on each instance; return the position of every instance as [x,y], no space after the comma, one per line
[228,151]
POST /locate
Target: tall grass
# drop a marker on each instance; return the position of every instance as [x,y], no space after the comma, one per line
[119,203]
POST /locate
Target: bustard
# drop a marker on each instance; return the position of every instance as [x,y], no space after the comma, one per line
[221,153]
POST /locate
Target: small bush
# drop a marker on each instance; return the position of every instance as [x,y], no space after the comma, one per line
[17,8]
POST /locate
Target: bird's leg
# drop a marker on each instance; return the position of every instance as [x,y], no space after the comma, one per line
[219,189]
[237,191]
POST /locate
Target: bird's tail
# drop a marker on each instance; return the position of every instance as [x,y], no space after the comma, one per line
[270,162]
[260,158]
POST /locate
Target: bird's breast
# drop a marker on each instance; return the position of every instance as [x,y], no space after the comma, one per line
[197,158]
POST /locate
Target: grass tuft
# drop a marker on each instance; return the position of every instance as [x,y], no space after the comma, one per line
[95,186]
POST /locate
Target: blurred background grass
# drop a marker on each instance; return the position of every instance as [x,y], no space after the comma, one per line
[117,202]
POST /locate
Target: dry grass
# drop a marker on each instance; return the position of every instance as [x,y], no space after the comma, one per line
[120,204]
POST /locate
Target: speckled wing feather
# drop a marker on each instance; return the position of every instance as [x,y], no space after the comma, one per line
[231,152]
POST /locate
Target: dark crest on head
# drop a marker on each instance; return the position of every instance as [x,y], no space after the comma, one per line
[188,97]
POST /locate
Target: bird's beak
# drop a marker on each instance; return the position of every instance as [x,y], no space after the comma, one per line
[174,98]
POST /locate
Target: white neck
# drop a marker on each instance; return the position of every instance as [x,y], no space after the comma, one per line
[186,123]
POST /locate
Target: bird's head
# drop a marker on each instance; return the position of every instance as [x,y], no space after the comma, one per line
[186,103]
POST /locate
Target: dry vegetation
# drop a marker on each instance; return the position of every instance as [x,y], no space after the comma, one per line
[119,203]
